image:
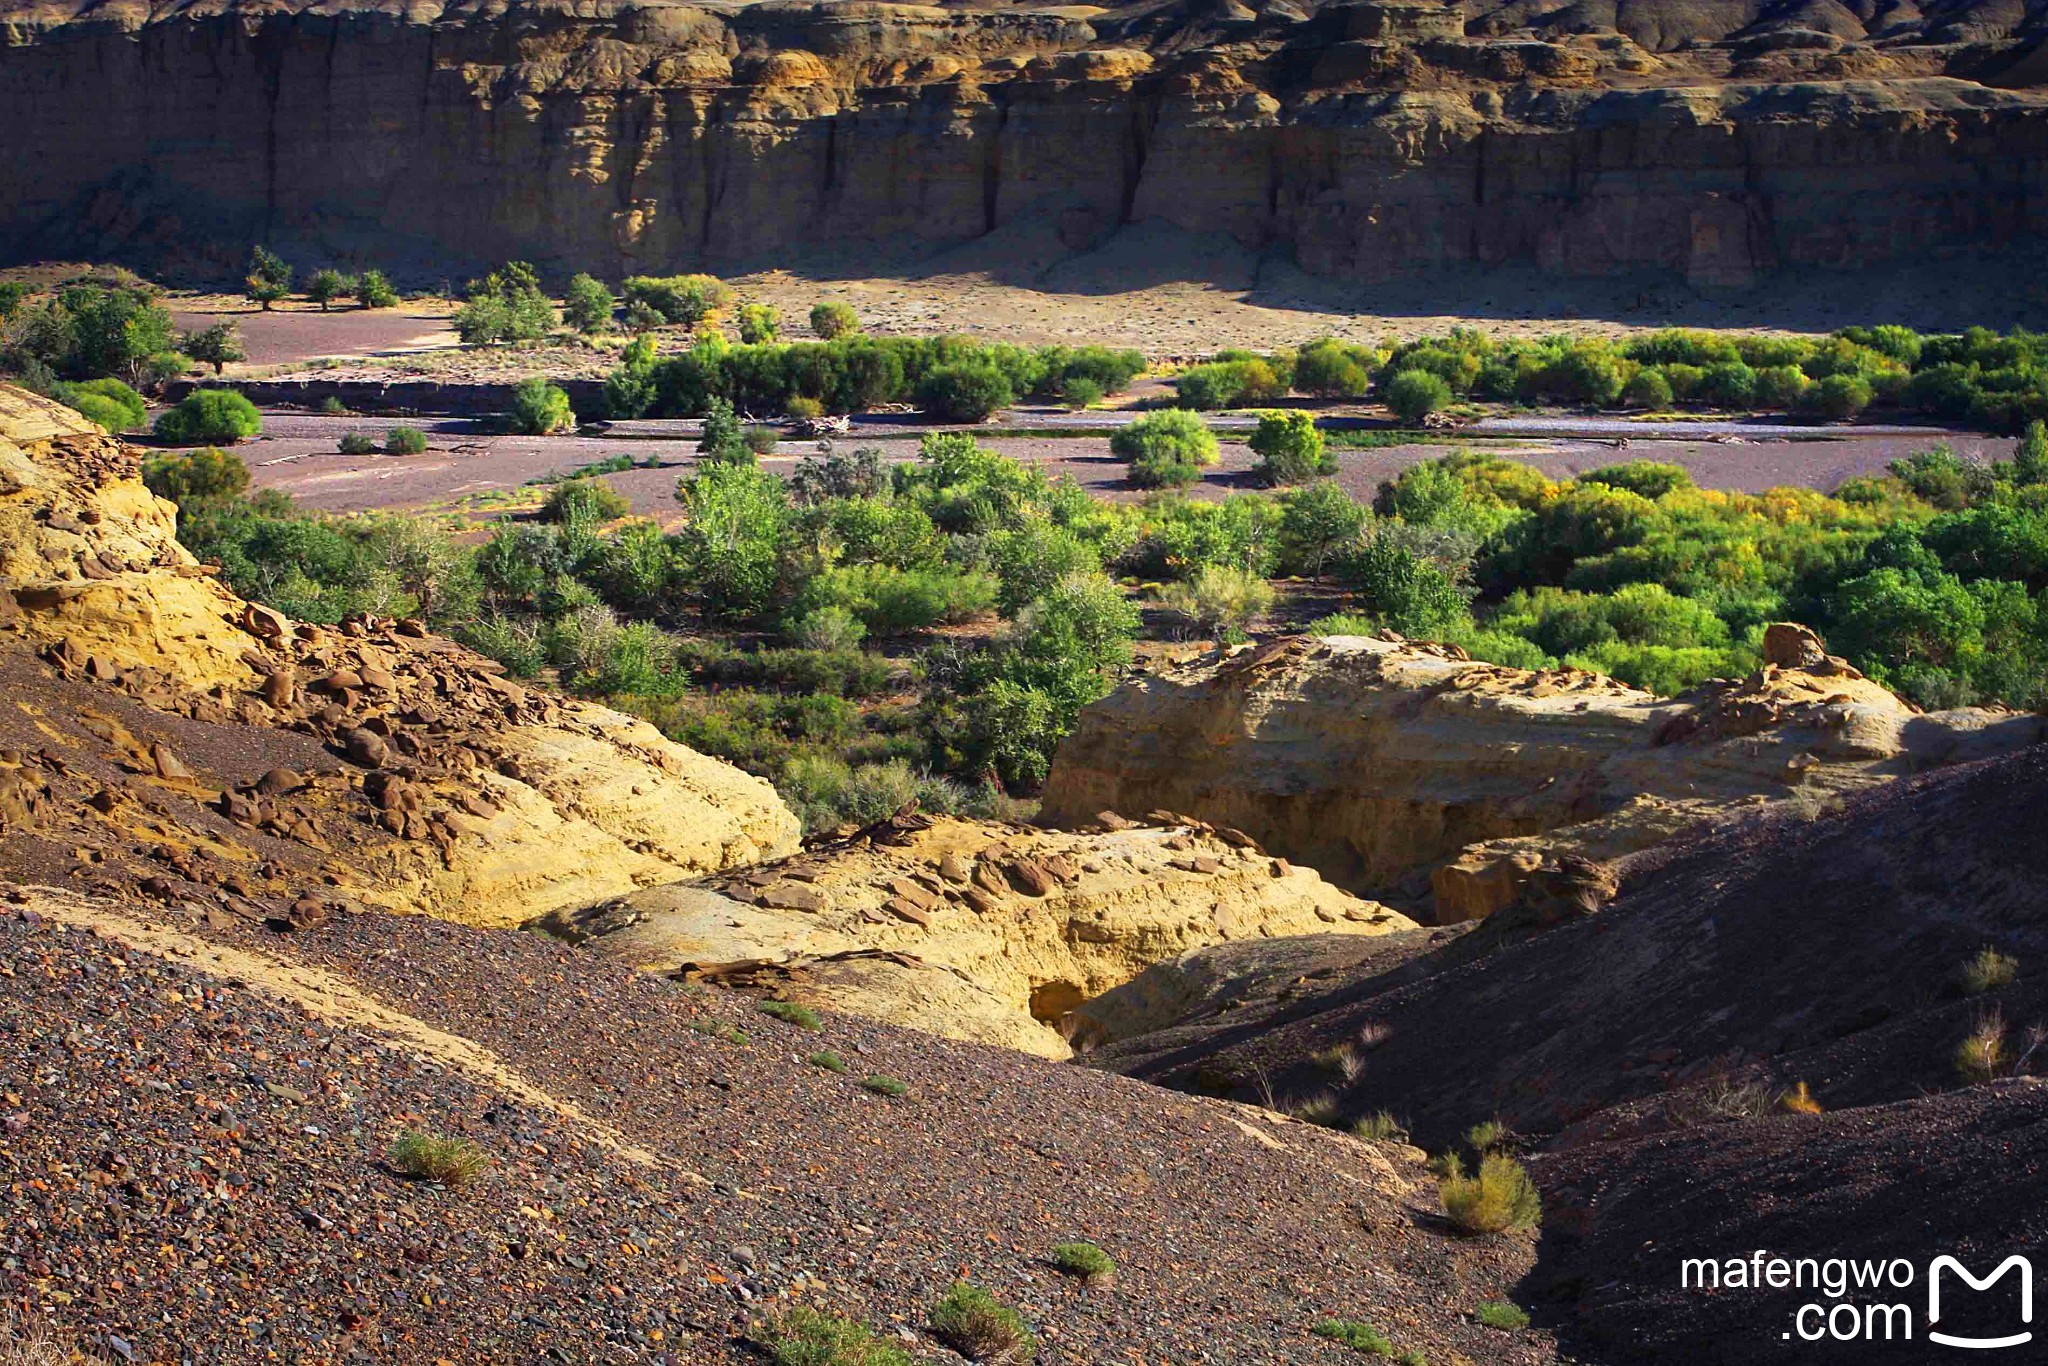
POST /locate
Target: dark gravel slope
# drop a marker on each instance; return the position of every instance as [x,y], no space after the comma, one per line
[194,1165]
[1773,949]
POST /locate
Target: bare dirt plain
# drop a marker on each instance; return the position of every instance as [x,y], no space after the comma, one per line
[463,464]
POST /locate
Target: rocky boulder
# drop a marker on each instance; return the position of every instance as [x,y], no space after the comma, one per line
[972,929]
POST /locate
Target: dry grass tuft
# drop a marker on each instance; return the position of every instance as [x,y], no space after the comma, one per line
[427,1157]
[1984,1055]
[1988,970]
[1499,1197]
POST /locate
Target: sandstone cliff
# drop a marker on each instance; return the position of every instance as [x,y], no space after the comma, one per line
[1365,139]
[1382,762]
[159,722]
[972,929]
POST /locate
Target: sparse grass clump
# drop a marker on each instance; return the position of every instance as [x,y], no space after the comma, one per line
[1501,1314]
[980,1327]
[805,1337]
[883,1085]
[826,1060]
[1318,1109]
[1499,1197]
[1411,1356]
[789,1012]
[31,1344]
[718,1029]
[1379,1127]
[1359,1337]
[1487,1135]
[1984,1055]
[1988,970]
[1085,1260]
[428,1157]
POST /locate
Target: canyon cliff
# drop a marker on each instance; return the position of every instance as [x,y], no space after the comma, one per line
[1717,143]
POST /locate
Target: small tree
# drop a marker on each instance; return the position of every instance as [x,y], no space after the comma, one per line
[327,285]
[538,408]
[218,345]
[269,278]
[1290,448]
[1315,523]
[724,441]
[1415,394]
[588,305]
[834,319]
[373,290]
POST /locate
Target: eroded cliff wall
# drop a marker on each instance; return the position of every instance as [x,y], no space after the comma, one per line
[1367,140]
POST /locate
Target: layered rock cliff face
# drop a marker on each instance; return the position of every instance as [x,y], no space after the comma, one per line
[163,730]
[1386,763]
[1367,140]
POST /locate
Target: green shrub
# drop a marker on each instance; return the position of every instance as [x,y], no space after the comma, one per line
[372,290]
[967,391]
[426,1157]
[758,323]
[1988,970]
[108,402]
[404,441]
[327,285]
[832,320]
[192,479]
[826,1060]
[1839,397]
[1644,478]
[1415,394]
[587,305]
[883,1085]
[981,1328]
[1498,1197]
[806,1337]
[831,627]
[789,1012]
[760,439]
[505,306]
[1227,384]
[1083,1259]
[1317,521]
[1359,1337]
[1401,589]
[1081,392]
[685,300]
[359,443]
[1984,1054]
[1290,448]
[1501,1314]
[575,502]
[1168,448]
[889,601]
[539,408]
[1647,388]
[209,417]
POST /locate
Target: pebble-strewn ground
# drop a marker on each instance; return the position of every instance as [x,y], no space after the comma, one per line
[195,1167]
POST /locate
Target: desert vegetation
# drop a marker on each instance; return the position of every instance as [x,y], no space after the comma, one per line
[1991,381]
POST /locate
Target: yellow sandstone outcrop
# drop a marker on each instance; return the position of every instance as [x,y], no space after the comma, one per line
[1384,762]
[448,789]
[973,929]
